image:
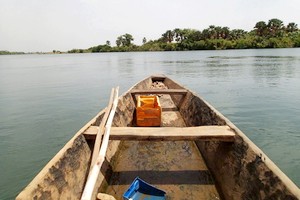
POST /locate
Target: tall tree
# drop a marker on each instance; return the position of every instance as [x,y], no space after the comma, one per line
[292,27]
[119,41]
[218,32]
[144,40]
[183,34]
[124,40]
[212,33]
[205,34]
[195,35]
[237,34]
[168,36]
[127,39]
[261,28]
[180,34]
[275,27]
[225,32]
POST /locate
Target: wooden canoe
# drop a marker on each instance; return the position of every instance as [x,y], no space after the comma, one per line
[197,153]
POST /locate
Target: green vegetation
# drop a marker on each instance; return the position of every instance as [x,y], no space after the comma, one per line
[10,53]
[264,35]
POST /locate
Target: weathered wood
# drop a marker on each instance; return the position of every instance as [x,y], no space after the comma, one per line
[211,133]
[169,109]
[103,196]
[183,97]
[158,77]
[182,92]
[93,175]
[101,129]
[206,133]
[91,132]
[160,91]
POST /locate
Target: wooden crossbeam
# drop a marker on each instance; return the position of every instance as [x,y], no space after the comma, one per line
[159,91]
[181,92]
[91,132]
[205,133]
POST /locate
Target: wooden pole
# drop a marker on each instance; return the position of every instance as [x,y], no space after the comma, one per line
[101,129]
[93,175]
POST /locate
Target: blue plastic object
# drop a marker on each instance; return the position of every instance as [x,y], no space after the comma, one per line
[141,190]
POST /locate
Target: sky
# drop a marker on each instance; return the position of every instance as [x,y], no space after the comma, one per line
[47,25]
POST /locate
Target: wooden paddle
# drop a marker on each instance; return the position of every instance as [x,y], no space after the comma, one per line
[101,129]
[94,172]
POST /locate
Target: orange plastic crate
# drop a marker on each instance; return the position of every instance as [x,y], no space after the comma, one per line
[148,111]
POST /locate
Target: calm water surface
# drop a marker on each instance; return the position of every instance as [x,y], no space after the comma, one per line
[45,99]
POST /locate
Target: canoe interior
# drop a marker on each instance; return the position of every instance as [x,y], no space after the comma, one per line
[176,167]
[184,169]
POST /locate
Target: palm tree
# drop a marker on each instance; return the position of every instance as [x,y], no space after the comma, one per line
[260,28]
[237,34]
[177,34]
[292,27]
[275,26]
[225,32]
[218,32]
[212,32]
[205,34]
[183,34]
[195,35]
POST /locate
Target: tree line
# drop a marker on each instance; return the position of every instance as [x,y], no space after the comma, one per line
[271,34]
[10,53]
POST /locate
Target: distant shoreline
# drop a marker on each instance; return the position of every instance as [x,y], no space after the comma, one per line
[50,53]
[273,34]
[11,53]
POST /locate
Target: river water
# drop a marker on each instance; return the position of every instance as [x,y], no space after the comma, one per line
[45,99]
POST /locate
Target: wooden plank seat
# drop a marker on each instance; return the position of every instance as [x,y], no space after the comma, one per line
[205,133]
[181,92]
[159,91]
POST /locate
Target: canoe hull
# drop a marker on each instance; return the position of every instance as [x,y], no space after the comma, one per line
[240,169]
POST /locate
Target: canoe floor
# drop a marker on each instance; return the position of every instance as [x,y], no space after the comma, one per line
[176,167]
